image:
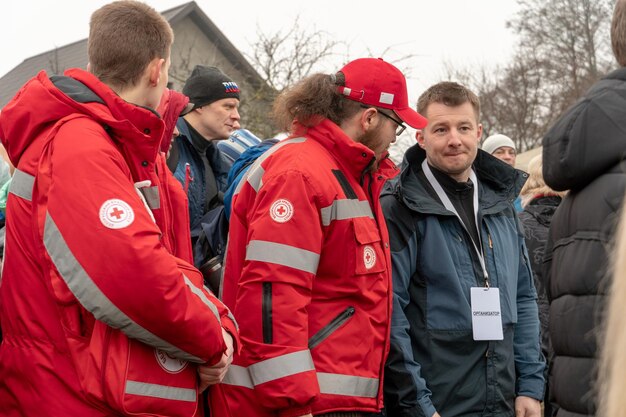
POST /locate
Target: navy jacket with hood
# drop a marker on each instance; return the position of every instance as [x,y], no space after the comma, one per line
[434,364]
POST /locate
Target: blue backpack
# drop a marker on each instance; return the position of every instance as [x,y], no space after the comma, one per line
[210,236]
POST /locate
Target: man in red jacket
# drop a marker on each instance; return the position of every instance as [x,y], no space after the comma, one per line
[308,264]
[102,312]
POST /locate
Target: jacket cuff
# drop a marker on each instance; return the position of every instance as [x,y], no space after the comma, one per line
[295,412]
[529,388]
[231,328]
[426,406]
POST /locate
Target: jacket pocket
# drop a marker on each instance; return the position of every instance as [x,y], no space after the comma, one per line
[129,377]
[369,257]
[331,327]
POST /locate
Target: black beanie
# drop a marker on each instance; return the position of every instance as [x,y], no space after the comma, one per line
[208,84]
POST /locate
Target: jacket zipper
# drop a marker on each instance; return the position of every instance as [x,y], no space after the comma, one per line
[266,311]
[330,328]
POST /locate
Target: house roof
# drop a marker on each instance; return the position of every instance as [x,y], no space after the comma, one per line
[75,54]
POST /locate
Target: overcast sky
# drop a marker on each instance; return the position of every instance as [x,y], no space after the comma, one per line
[461,32]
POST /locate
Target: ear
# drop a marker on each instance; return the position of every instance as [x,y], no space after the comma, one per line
[154,70]
[479,132]
[419,136]
[367,119]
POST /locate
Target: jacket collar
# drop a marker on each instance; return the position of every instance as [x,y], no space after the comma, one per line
[618,74]
[354,158]
[499,183]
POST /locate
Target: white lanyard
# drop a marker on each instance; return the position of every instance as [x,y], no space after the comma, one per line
[449,206]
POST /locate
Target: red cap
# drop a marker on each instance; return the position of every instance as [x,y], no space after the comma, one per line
[377,83]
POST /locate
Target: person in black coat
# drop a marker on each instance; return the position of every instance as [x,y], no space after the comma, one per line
[584,152]
[539,203]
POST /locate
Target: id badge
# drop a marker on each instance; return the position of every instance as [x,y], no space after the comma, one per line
[486,315]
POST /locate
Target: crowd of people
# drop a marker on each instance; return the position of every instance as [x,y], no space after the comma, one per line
[161,261]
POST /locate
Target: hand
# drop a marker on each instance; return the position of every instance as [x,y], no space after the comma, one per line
[436,414]
[527,407]
[214,374]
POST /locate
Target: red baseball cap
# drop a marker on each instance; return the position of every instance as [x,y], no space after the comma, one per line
[377,83]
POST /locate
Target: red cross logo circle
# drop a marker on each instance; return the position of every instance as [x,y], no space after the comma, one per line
[281,211]
[116,214]
[169,363]
[369,257]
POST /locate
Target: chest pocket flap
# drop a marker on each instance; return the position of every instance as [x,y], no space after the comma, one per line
[368,253]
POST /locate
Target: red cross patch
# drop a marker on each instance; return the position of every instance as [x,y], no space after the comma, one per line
[369,257]
[116,214]
[281,211]
[169,363]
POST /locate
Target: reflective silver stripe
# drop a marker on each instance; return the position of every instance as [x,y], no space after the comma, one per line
[22,185]
[349,385]
[256,176]
[238,375]
[151,194]
[255,179]
[333,384]
[346,209]
[220,290]
[94,300]
[161,391]
[202,296]
[230,316]
[281,366]
[277,253]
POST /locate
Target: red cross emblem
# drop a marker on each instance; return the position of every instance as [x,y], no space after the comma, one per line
[281,211]
[116,214]
[369,257]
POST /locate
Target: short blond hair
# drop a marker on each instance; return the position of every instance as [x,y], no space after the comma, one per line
[535,184]
[124,37]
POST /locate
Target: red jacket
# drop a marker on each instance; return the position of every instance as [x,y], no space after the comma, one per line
[308,277]
[101,310]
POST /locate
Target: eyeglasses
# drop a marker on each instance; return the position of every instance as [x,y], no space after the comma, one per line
[401,126]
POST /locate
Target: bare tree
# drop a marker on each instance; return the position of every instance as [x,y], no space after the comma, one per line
[286,56]
[563,49]
[568,41]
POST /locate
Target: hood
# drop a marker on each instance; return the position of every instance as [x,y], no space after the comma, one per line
[503,182]
[173,105]
[590,138]
[354,158]
[44,100]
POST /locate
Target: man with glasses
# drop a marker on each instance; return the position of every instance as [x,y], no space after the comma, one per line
[465,327]
[308,265]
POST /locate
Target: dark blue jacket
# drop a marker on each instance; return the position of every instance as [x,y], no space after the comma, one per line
[434,364]
[193,178]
